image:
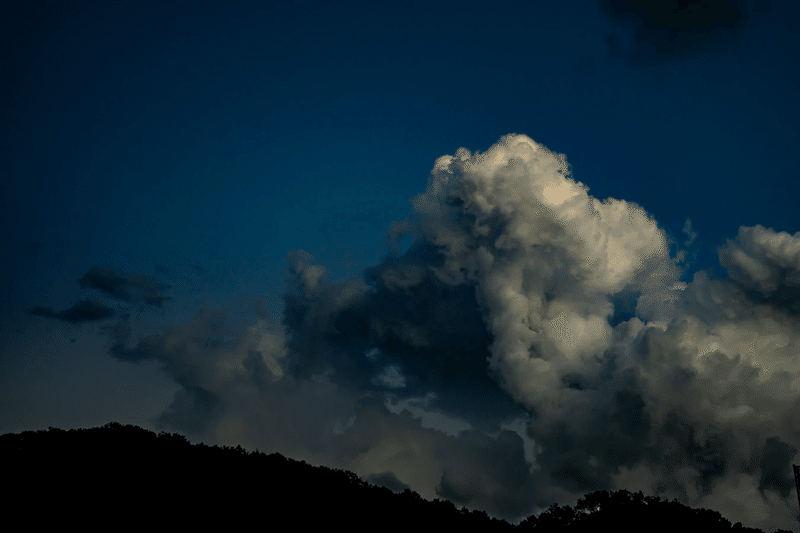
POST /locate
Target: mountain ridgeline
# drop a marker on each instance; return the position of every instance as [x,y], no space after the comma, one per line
[123,475]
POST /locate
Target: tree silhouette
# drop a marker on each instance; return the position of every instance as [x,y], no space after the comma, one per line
[125,475]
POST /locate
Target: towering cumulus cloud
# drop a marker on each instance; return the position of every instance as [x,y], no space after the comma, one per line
[544,333]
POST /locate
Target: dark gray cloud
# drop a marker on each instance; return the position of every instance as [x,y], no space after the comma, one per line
[498,479]
[413,325]
[388,480]
[83,311]
[130,287]
[666,29]
[774,475]
[533,344]
[766,264]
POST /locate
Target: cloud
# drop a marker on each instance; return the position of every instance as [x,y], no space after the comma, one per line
[766,262]
[83,311]
[667,29]
[523,302]
[391,377]
[388,480]
[130,287]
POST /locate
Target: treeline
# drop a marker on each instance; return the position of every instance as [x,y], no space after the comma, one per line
[123,475]
[631,512]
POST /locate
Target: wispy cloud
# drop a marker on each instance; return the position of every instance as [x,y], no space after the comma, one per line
[83,311]
[130,287]
[666,29]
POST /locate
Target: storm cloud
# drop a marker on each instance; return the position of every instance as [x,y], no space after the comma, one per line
[491,364]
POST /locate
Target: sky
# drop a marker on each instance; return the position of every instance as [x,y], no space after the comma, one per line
[501,253]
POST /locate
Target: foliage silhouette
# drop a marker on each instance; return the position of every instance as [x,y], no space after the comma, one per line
[125,475]
[622,511]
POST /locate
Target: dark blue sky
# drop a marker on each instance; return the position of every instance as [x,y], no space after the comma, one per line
[184,148]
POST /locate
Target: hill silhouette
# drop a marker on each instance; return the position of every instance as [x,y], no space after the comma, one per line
[123,475]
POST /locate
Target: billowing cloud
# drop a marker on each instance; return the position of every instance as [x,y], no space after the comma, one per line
[83,311]
[767,262]
[533,344]
[131,287]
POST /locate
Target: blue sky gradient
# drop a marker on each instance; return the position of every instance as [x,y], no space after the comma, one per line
[183,149]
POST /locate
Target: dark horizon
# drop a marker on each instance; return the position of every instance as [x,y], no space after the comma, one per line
[500,253]
[62,464]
